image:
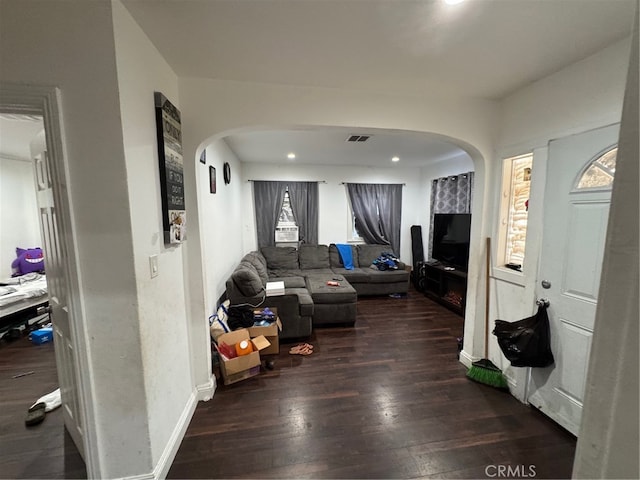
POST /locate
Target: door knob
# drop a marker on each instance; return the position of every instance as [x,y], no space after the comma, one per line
[546,284]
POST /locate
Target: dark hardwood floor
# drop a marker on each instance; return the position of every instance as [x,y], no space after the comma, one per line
[45,450]
[386,399]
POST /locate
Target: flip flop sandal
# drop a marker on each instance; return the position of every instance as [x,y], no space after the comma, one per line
[35,414]
[300,350]
[305,351]
[296,350]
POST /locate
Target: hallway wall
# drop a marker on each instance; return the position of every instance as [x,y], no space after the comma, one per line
[161,301]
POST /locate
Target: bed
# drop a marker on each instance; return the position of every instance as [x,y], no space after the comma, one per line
[23,301]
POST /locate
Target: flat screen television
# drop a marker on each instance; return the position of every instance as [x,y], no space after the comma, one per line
[451,234]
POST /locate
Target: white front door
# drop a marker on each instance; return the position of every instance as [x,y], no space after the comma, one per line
[574,231]
[57,286]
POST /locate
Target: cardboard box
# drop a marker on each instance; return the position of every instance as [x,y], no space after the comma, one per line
[43,335]
[236,369]
[275,288]
[271,333]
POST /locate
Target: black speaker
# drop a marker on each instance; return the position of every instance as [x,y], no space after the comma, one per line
[417,251]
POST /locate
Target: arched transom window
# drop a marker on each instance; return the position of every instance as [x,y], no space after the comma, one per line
[600,172]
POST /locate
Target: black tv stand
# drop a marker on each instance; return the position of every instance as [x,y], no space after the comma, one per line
[446,285]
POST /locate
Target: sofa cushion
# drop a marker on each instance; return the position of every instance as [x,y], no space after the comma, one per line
[305,302]
[327,272]
[313,256]
[257,260]
[368,253]
[357,275]
[275,275]
[247,280]
[388,276]
[335,260]
[332,294]
[290,282]
[281,258]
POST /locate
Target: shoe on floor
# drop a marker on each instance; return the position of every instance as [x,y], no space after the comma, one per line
[35,414]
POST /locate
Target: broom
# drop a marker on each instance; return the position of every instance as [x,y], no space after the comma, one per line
[484,371]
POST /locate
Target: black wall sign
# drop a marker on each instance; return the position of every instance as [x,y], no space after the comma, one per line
[169,134]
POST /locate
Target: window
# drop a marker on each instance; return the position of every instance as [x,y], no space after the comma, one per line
[378,210]
[287,232]
[600,172]
[516,185]
[354,234]
[285,219]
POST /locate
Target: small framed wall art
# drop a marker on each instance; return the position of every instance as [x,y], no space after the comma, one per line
[212,179]
[203,156]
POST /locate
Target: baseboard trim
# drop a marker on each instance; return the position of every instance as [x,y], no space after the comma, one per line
[204,392]
[201,393]
[166,459]
[466,359]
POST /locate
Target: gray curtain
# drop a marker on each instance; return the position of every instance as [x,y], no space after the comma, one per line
[450,195]
[304,205]
[267,197]
[377,209]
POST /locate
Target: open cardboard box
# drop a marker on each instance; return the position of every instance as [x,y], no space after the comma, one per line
[246,366]
[271,334]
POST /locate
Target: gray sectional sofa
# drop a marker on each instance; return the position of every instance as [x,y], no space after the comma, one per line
[308,300]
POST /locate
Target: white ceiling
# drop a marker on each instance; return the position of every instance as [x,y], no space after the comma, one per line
[328,146]
[16,133]
[481,48]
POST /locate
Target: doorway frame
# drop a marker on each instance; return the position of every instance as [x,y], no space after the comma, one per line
[46,101]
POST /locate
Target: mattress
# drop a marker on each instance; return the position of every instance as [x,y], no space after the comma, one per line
[22,289]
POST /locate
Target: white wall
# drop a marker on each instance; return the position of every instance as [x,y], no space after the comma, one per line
[580,97]
[221,220]
[162,313]
[19,225]
[587,94]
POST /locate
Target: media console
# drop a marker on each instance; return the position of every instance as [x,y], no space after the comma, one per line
[445,285]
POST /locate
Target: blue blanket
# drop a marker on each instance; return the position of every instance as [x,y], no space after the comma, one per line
[346,255]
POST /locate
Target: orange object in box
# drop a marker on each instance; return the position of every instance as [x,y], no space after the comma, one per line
[244,347]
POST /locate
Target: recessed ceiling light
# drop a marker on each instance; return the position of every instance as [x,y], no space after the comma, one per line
[453,2]
[395,159]
[291,156]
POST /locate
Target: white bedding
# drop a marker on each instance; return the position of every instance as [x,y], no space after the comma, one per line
[19,289]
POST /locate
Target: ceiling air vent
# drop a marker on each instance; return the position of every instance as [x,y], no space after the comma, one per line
[358,138]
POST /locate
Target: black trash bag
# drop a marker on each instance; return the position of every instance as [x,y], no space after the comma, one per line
[240,317]
[527,342]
